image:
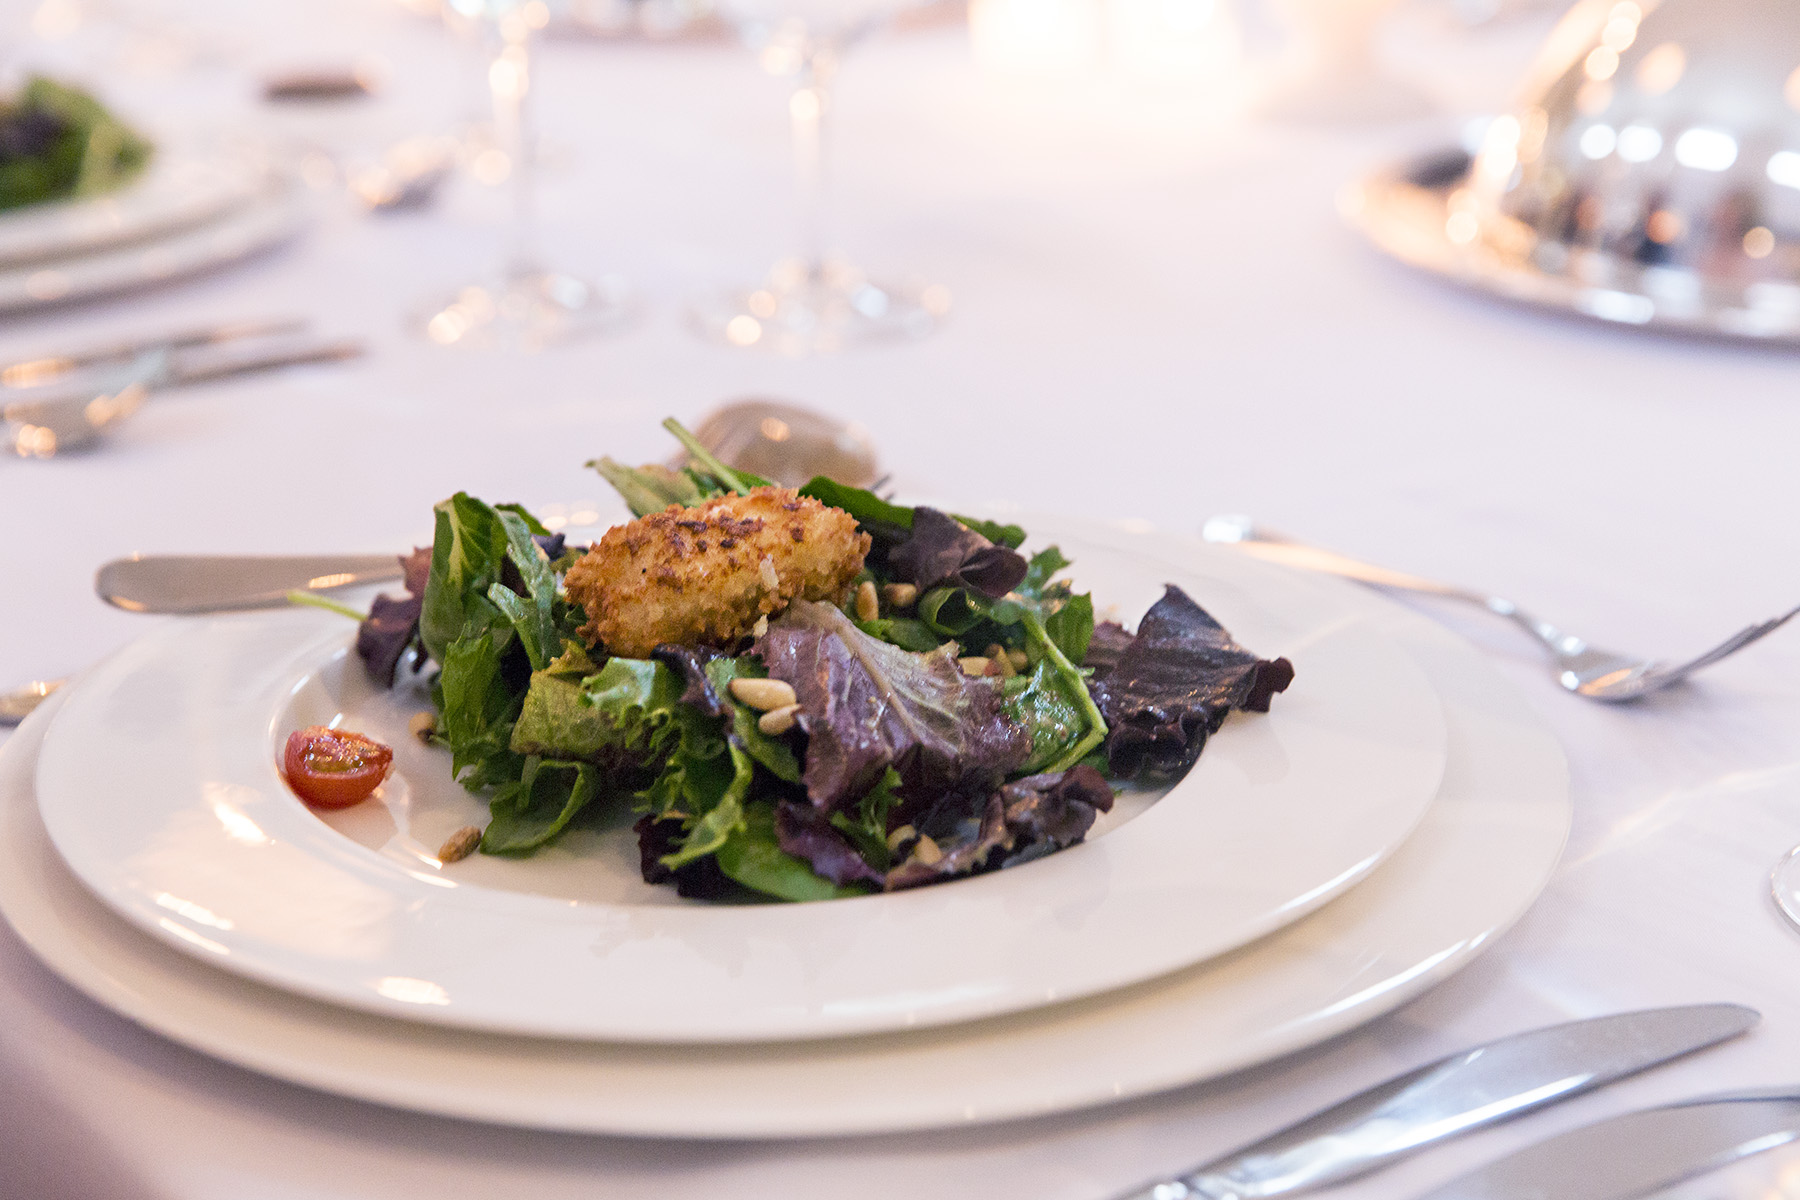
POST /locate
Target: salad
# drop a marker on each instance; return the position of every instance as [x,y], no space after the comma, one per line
[58,142]
[802,693]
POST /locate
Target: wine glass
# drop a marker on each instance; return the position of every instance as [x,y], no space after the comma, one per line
[527,305]
[815,301]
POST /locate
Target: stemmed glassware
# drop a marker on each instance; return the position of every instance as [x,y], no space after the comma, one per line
[528,304]
[814,302]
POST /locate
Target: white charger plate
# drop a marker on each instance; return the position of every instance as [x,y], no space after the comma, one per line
[182,186]
[1476,862]
[159,787]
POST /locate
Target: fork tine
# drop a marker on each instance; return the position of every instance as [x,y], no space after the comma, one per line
[1731,645]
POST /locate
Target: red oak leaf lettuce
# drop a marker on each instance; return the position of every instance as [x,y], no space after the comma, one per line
[866,706]
[1174,684]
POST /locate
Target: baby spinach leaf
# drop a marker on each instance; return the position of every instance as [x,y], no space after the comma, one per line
[1048,710]
[527,814]
[908,633]
[1071,626]
[753,857]
[952,611]
[478,709]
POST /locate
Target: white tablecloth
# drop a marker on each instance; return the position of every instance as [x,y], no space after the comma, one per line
[1158,315]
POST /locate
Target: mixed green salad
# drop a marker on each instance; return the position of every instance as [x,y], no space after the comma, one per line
[58,142]
[906,760]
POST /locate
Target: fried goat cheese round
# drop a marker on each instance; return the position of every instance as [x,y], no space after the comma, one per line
[704,575]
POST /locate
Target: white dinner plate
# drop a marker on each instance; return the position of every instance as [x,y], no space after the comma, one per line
[277,212]
[1476,862]
[183,186]
[159,787]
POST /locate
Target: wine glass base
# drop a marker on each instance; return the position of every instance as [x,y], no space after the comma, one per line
[818,311]
[528,311]
[1784,886]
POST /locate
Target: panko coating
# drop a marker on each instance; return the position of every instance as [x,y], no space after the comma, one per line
[704,575]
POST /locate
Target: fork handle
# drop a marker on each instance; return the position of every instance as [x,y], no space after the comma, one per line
[1273,547]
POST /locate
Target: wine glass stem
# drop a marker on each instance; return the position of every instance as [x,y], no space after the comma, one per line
[509,80]
[807,108]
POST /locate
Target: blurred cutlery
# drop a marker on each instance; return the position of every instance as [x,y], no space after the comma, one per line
[1640,1152]
[787,443]
[178,583]
[17,704]
[1582,668]
[1452,1096]
[31,372]
[74,418]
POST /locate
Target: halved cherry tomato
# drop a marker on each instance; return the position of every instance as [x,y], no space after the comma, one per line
[334,768]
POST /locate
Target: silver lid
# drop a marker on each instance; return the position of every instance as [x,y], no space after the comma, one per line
[1654,157]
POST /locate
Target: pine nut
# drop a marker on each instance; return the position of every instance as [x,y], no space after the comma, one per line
[900,595]
[423,726]
[761,627]
[1020,659]
[997,655]
[778,721]
[764,695]
[897,838]
[974,665]
[868,605]
[460,844]
[927,851]
[770,579]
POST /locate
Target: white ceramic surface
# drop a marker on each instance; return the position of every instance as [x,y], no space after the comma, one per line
[158,786]
[181,187]
[1478,859]
[277,213]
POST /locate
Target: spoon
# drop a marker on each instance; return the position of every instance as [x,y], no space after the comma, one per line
[17,704]
[787,443]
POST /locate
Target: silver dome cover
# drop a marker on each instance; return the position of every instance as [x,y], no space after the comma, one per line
[1652,166]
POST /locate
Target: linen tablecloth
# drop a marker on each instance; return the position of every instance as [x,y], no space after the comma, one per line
[1158,315]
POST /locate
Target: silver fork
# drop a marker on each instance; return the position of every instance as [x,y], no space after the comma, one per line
[1582,668]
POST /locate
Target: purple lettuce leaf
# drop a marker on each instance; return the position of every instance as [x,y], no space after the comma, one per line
[393,622]
[807,833]
[941,551]
[967,830]
[1174,684]
[1108,641]
[866,705]
[1049,812]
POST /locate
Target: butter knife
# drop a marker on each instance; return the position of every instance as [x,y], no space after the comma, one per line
[1452,1096]
[173,583]
[1639,1152]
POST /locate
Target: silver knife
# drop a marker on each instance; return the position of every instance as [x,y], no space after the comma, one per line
[1452,1096]
[172,583]
[1639,1152]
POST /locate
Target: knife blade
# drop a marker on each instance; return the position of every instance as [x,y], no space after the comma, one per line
[179,583]
[1638,1152]
[1489,1083]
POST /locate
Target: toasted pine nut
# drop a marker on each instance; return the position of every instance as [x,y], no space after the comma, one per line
[1020,659]
[868,605]
[460,844]
[926,851]
[1001,661]
[778,721]
[973,665]
[423,726]
[899,836]
[899,595]
[766,568]
[764,695]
